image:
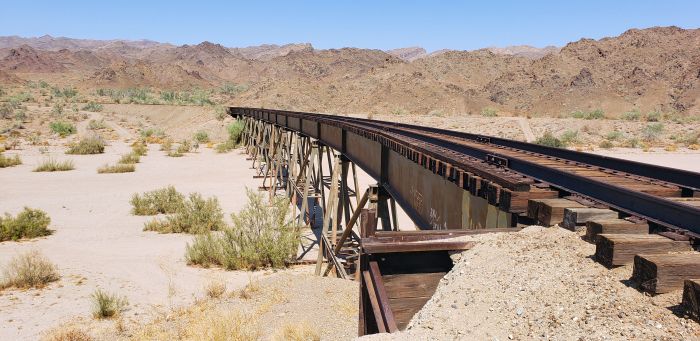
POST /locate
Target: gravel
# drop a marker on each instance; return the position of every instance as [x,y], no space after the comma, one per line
[542,284]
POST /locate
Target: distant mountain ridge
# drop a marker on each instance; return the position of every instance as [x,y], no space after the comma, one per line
[642,69]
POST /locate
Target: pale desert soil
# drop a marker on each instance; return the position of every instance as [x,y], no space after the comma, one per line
[97,242]
[294,299]
[542,284]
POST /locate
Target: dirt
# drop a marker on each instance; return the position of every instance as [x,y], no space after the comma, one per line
[541,283]
[292,298]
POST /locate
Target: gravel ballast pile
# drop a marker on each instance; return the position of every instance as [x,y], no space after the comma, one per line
[542,284]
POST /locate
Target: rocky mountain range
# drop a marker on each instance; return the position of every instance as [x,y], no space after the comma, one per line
[643,69]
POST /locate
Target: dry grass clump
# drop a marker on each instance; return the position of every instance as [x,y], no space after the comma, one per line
[106,305]
[215,289]
[261,236]
[30,223]
[67,334]
[166,145]
[9,161]
[165,200]
[51,165]
[130,159]
[139,148]
[29,270]
[118,168]
[195,215]
[87,145]
[184,147]
[203,321]
[175,154]
[301,331]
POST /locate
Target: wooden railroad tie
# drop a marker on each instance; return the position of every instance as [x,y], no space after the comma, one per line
[619,249]
[549,212]
[662,273]
[613,226]
[691,298]
[576,218]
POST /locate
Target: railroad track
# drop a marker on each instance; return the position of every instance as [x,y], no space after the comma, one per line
[465,183]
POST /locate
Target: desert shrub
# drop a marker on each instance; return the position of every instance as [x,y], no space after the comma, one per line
[589,115]
[184,147]
[220,113]
[569,137]
[489,112]
[201,136]
[151,135]
[261,236]
[65,92]
[235,131]
[87,145]
[631,143]
[29,270]
[633,115]
[97,125]
[225,147]
[175,153]
[166,145]
[106,305]
[653,116]
[652,131]
[6,110]
[614,135]
[164,200]
[139,148]
[62,128]
[30,223]
[9,161]
[130,158]
[194,96]
[548,139]
[51,165]
[606,144]
[690,139]
[233,89]
[118,168]
[195,215]
[93,107]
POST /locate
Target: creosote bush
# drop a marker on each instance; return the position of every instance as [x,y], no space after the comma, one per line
[118,168]
[195,215]
[235,132]
[87,145]
[9,161]
[106,305]
[51,165]
[30,223]
[201,136]
[548,139]
[652,131]
[93,107]
[165,200]
[29,270]
[97,125]
[61,128]
[261,236]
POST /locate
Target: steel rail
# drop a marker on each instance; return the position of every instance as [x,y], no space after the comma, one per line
[656,209]
[687,180]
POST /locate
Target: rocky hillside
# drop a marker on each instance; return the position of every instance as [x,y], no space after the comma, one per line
[649,69]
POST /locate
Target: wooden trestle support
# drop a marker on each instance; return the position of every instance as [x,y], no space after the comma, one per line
[398,271]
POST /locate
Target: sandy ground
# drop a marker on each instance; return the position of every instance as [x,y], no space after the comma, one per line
[541,284]
[688,160]
[97,242]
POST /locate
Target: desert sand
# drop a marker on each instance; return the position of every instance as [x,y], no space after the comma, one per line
[97,243]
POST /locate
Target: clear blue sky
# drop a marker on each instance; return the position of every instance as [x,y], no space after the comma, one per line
[331,24]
